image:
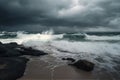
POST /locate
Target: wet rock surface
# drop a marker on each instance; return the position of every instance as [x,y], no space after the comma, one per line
[30,51]
[84,65]
[13,50]
[8,50]
[12,68]
[81,64]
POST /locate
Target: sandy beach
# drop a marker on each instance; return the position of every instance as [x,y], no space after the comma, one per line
[39,70]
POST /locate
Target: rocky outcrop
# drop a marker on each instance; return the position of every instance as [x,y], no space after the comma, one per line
[14,50]
[80,64]
[30,51]
[12,68]
[8,50]
[84,65]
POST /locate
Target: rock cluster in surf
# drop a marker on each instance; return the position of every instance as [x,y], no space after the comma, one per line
[12,65]
[81,64]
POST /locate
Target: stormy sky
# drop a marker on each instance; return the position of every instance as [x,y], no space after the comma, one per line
[60,14]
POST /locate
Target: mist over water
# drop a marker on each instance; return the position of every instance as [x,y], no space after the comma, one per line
[104,50]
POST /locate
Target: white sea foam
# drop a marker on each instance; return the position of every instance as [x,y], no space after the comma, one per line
[24,37]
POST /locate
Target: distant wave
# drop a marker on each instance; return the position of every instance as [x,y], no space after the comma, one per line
[87,37]
[49,35]
[102,38]
[75,37]
[5,34]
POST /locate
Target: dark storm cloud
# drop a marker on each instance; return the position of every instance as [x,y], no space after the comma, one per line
[80,13]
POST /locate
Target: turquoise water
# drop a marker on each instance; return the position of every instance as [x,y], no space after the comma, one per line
[86,36]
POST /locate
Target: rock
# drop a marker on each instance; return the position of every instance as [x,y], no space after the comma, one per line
[12,68]
[69,59]
[30,51]
[12,53]
[84,65]
[13,50]
[3,50]
[12,45]
[8,50]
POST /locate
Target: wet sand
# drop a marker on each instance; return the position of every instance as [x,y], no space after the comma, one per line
[40,70]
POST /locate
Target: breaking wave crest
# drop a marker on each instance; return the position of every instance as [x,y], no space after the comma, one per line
[49,35]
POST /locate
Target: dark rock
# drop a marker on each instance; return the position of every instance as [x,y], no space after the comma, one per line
[69,59]
[12,68]
[30,51]
[84,65]
[11,45]
[13,50]
[2,49]
[8,50]
[12,53]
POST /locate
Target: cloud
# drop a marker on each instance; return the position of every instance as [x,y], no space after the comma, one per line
[80,13]
[115,22]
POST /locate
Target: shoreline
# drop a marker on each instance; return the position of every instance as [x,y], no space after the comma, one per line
[40,70]
[48,67]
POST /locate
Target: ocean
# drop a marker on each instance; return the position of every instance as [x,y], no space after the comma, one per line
[102,48]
